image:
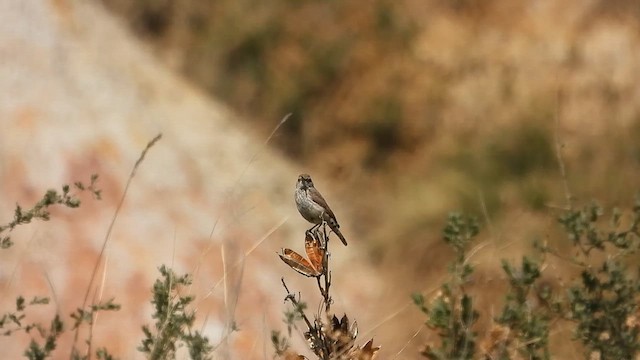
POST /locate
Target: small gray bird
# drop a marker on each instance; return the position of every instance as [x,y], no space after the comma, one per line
[313,207]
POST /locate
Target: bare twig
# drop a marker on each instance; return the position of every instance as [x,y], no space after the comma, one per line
[318,334]
[296,304]
[323,238]
[328,337]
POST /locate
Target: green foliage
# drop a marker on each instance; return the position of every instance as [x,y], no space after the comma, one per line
[40,211]
[528,325]
[51,334]
[459,232]
[451,314]
[36,351]
[13,321]
[103,354]
[81,316]
[279,342]
[605,308]
[291,316]
[604,303]
[174,321]
[583,229]
[173,324]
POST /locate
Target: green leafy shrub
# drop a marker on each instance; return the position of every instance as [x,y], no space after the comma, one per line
[604,303]
[174,321]
[601,305]
[451,313]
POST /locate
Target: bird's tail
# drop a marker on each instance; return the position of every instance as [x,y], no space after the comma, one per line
[336,229]
[344,241]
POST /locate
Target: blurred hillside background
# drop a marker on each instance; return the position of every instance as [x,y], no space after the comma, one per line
[415,108]
[411,109]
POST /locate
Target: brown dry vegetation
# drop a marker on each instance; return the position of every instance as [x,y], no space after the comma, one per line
[416,108]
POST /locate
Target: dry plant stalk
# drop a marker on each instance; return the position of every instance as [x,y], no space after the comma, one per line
[327,336]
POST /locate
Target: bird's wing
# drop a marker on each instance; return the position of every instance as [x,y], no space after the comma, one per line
[318,199]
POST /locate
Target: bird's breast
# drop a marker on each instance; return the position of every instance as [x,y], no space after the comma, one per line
[309,210]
